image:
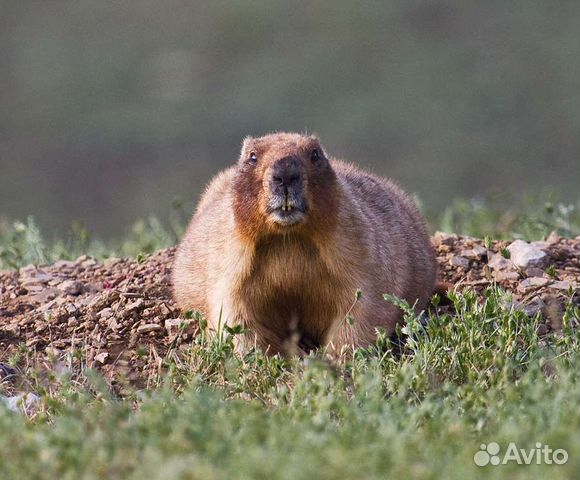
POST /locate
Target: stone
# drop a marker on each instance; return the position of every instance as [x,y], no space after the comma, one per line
[71,287]
[106,313]
[509,276]
[525,255]
[39,278]
[89,262]
[541,244]
[530,308]
[63,264]
[135,305]
[11,329]
[102,357]
[175,326]
[498,262]
[553,238]
[532,283]
[441,238]
[110,262]
[534,272]
[163,310]
[148,327]
[561,285]
[468,253]
[480,251]
[459,261]
[52,351]
[26,403]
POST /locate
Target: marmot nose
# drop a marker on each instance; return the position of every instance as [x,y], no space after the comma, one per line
[286,173]
[285,180]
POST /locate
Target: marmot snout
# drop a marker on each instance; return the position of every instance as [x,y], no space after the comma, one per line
[281,242]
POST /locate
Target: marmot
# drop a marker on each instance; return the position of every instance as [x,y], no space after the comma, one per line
[282,243]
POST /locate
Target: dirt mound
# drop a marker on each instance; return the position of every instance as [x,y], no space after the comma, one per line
[118,315]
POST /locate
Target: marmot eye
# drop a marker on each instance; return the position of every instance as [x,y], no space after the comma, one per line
[253,158]
[315,155]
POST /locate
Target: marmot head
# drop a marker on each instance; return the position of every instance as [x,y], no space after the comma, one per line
[284,183]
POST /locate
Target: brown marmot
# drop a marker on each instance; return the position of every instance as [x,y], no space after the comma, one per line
[282,242]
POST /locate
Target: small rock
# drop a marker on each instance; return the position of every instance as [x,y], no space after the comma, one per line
[105,313]
[525,255]
[532,283]
[530,308]
[175,326]
[113,324]
[534,272]
[468,253]
[480,251]
[110,262]
[39,278]
[71,308]
[27,403]
[561,285]
[553,238]
[11,329]
[459,261]
[135,305]
[52,352]
[542,245]
[163,310]
[510,276]
[148,327]
[71,287]
[102,357]
[64,264]
[89,262]
[441,238]
[498,262]
[102,300]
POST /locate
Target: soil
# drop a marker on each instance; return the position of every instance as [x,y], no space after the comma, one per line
[118,316]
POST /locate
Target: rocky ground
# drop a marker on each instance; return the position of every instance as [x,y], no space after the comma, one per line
[118,315]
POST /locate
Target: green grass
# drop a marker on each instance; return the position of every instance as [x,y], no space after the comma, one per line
[477,376]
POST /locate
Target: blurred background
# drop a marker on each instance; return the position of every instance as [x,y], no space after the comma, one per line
[113,111]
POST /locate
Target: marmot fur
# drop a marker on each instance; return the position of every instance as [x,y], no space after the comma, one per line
[281,242]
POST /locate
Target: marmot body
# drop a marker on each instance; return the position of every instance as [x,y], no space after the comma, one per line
[281,242]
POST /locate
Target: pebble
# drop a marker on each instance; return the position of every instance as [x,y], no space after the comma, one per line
[526,255]
[441,238]
[534,272]
[63,264]
[532,283]
[26,403]
[110,262]
[553,238]
[459,261]
[498,262]
[174,326]
[509,276]
[106,313]
[135,305]
[148,327]
[561,285]
[102,357]
[71,287]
